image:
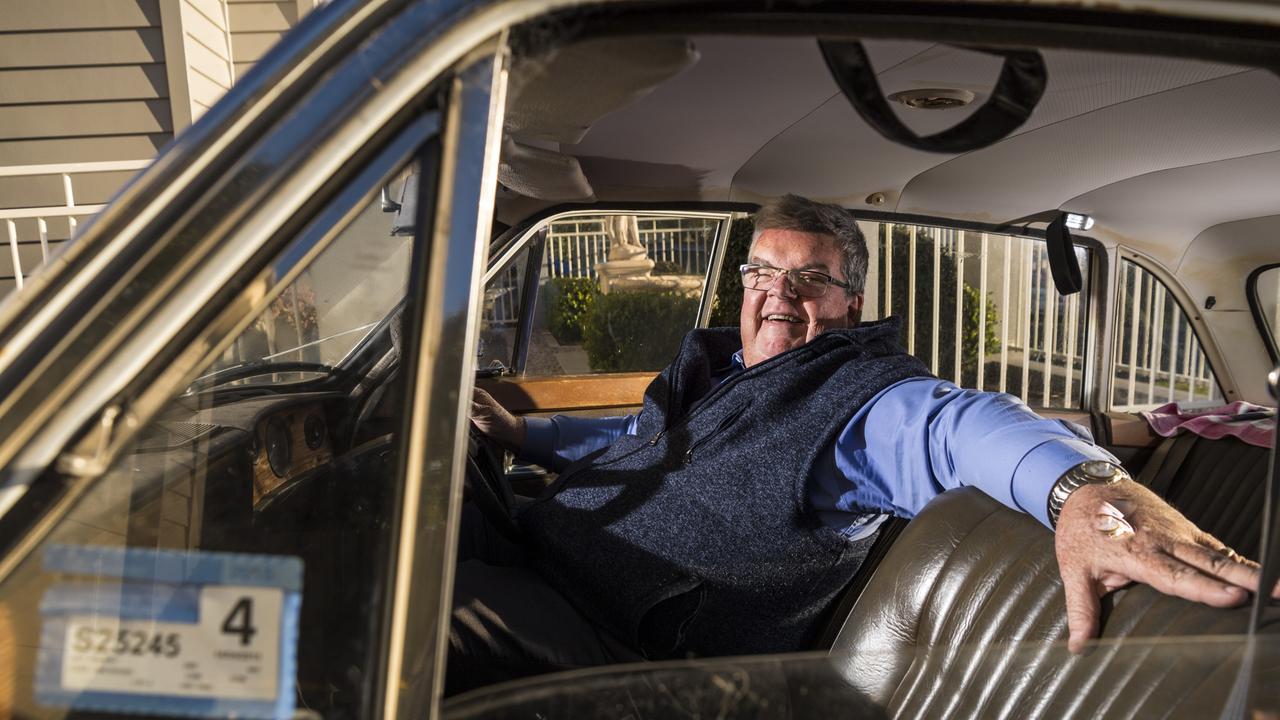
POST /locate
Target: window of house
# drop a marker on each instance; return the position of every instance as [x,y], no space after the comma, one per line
[1158,357]
[616,293]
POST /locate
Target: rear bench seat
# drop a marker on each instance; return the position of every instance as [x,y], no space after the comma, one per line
[933,633]
[1219,484]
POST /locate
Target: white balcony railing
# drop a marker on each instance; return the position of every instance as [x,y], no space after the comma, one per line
[11,219]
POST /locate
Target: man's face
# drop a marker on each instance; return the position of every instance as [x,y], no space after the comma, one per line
[775,319]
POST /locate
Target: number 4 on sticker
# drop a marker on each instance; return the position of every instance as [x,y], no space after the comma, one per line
[240,621]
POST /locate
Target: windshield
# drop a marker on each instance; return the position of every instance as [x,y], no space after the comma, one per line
[334,304]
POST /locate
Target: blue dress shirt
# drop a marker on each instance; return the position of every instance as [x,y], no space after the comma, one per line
[912,441]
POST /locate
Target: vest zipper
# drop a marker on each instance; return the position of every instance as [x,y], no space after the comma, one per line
[720,427]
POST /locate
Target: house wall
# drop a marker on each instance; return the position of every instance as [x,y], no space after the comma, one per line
[256,25]
[85,81]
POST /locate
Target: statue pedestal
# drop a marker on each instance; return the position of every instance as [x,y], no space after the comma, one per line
[687,284]
[611,271]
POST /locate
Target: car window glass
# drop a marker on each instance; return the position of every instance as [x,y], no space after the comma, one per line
[1158,355]
[231,558]
[334,303]
[501,317]
[1265,299]
[980,309]
[616,293]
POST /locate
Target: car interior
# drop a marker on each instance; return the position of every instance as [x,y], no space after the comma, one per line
[1151,157]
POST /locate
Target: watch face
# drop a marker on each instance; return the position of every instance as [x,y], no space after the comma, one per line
[1100,469]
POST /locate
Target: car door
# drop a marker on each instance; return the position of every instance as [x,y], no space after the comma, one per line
[195,518]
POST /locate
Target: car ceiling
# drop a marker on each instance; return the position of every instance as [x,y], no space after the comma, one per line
[1164,153]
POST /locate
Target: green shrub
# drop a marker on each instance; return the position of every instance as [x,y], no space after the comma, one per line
[637,330]
[569,306]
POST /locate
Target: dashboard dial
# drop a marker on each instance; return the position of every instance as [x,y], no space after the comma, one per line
[313,430]
[279,453]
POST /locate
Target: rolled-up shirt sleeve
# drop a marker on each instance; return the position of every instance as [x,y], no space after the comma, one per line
[557,441]
[923,436]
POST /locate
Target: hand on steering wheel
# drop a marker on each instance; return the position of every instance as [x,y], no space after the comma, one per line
[485,480]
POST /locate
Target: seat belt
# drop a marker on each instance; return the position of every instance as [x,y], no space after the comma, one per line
[1172,454]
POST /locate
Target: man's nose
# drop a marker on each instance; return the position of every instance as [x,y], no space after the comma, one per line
[781,286]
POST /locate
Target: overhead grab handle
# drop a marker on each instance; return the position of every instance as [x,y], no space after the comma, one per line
[1015,95]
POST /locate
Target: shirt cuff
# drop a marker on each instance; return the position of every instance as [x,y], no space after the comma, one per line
[540,436]
[1040,469]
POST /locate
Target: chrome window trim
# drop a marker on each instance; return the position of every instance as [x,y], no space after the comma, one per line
[447,305]
[718,251]
[1208,343]
[1259,315]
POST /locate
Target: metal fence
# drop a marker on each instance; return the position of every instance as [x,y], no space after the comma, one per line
[1158,356]
[35,221]
[574,246]
[980,309]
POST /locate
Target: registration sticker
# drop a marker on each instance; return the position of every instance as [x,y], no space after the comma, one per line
[199,634]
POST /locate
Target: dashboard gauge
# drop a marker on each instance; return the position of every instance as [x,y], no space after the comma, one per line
[313,430]
[279,454]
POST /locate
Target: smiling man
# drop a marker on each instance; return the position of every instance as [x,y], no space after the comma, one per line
[728,515]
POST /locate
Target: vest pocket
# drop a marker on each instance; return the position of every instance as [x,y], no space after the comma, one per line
[724,424]
[664,617]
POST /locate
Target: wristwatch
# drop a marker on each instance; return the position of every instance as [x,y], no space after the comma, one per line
[1092,472]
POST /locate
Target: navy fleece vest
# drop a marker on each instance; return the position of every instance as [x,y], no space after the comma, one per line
[695,536]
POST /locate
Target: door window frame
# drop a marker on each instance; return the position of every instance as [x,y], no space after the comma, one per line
[532,236]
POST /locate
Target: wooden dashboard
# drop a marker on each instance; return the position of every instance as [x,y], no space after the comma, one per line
[287,444]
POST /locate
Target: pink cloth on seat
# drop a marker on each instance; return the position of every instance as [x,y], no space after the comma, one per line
[1251,423]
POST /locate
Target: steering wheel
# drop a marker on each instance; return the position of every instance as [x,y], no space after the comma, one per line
[487,486]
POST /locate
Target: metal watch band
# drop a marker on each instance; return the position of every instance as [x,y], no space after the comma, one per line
[1092,472]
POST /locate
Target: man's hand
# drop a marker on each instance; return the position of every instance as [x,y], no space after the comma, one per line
[494,421]
[1111,535]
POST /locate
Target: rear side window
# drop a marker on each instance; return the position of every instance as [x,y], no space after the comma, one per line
[980,309]
[1158,357]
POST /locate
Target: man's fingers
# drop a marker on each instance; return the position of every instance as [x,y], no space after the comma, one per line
[1083,609]
[1173,576]
[1223,564]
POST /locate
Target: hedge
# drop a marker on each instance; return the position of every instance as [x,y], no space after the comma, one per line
[636,330]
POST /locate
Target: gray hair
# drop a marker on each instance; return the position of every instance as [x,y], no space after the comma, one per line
[792,212]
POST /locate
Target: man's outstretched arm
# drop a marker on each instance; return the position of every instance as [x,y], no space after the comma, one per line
[1107,535]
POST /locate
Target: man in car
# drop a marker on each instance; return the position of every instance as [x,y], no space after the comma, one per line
[727,516]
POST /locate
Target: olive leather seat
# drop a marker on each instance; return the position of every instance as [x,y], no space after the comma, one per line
[965,618]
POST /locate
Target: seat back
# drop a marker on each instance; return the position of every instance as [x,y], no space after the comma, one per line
[935,633]
[1219,484]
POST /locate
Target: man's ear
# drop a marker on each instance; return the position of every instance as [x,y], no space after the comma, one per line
[855,310]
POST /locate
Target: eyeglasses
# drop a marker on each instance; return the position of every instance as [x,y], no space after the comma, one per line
[806,283]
